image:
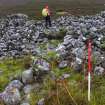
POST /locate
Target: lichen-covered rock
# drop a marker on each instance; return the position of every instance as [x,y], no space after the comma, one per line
[42,65]
[11,96]
[15,84]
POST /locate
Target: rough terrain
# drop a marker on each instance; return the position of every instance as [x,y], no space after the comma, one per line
[55,54]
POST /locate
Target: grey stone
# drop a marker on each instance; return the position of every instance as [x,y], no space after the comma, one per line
[78,60]
[15,84]
[11,96]
[42,65]
[93,29]
[99,58]
[25,103]
[60,48]
[65,76]
[27,76]
[41,102]
[27,89]
[99,70]
[79,52]
[63,64]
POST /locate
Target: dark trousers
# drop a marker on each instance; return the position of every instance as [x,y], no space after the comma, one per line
[48,21]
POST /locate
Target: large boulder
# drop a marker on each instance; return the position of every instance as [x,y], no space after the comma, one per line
[27,76]
[11,96]
[15,84]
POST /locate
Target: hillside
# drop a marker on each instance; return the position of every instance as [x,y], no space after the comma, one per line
[52,65]
[17,2]
[33,7]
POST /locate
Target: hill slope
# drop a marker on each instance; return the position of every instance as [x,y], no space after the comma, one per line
[17,2]
[33,7]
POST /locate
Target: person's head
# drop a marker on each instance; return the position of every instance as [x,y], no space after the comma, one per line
[46,7]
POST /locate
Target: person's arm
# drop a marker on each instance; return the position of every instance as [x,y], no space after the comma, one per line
[48,11]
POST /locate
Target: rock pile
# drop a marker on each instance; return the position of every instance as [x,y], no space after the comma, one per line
[80,29]
[19,36]
[11,94]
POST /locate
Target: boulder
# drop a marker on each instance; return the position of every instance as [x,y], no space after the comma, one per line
[99,70]
[27,89]
[11,96]
[42,65]
[30,87]
[27,76]
[15,84]
[65,76]
[63,64]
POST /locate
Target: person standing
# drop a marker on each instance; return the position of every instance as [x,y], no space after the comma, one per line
[46,14]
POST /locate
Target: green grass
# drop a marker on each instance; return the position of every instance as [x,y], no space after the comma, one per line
[55,93]
[12,68]
[76,88]
[71,91]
